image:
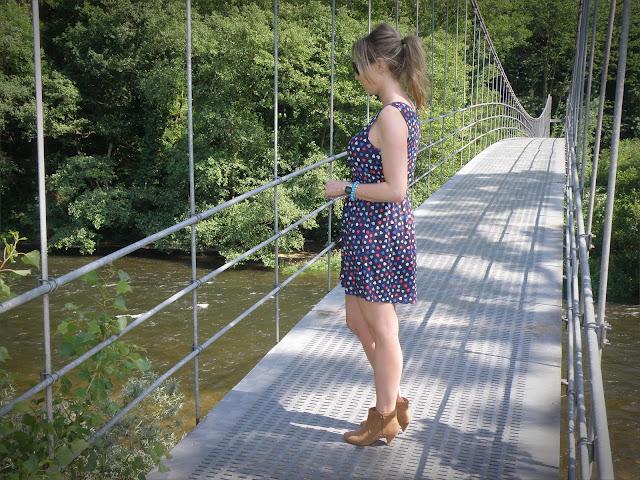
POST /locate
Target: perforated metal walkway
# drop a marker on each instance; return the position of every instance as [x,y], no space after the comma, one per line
[482,350]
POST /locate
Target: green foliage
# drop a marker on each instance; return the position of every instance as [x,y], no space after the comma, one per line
[536,42]
[88,190]
[536,48]
[623,282]
[10,256]
[123,174]
[90,396]
[17,84]
[141,439]
[63,123]
[116,110]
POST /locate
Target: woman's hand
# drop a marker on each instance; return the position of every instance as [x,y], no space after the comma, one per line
[335,188]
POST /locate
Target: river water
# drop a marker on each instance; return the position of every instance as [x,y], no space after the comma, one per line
[167,336]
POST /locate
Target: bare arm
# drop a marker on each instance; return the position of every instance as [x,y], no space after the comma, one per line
[391,137]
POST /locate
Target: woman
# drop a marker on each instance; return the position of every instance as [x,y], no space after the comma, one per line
[378,228]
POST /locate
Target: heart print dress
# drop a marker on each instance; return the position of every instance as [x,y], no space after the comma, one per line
[377,239]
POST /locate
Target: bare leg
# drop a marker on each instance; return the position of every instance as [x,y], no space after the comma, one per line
[387,356]
[359,326]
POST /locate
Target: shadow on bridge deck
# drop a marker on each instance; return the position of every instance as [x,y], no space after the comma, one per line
[482,350]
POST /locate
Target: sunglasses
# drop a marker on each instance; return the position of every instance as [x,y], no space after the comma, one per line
[355,68]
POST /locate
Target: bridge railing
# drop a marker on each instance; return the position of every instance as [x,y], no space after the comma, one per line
[588,432]
[485,110]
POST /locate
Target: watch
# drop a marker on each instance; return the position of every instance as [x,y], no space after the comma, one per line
[347,189]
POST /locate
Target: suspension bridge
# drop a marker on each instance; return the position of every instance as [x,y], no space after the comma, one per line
[483,345]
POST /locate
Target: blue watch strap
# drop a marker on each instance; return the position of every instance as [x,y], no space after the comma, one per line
[352,196]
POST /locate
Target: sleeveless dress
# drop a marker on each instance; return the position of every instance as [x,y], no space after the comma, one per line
[377,239]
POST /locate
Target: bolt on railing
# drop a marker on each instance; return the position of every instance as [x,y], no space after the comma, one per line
[490,111]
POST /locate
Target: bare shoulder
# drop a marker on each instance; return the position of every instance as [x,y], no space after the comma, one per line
[391,122]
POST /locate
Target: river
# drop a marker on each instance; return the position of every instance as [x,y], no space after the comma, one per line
[167,336]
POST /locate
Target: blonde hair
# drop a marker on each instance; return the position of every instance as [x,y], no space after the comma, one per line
[405,58]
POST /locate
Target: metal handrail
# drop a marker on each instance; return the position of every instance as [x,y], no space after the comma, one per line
[588,430]
[51,284]
[488,126]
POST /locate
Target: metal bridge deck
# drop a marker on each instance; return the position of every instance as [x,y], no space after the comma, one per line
[482,350]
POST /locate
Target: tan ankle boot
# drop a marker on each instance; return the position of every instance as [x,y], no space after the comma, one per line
[403,413]
[376,426]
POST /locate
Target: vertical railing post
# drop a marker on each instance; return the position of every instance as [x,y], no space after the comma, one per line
[479,136]
[588,99]
[333,32]
[463,137]
[42,211]
[484,94]
[444,88]
[515,113]
[276,227]
[471,91]
[613,168]
[490,92]
[455,94]
[397,13]
[498,107]
[572,112]
[508,120]
[433,83]
[192,206]
[411,191]
[603,88]
[476,102]
[581,74]
[512,116]
[503,110]
[478,125]
[368,31]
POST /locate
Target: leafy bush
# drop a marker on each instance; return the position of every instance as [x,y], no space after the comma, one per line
[623,284]
[89,396]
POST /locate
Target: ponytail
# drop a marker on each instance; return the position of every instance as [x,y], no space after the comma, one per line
[404,56]
[414,69]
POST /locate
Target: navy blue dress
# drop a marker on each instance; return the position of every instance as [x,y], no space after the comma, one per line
[378,239]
